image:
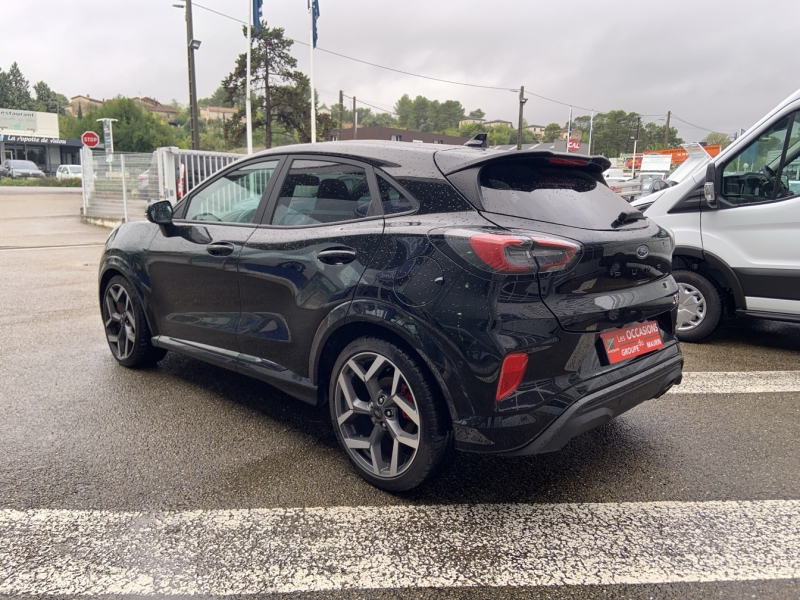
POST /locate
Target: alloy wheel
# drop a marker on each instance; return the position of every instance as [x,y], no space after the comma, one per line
[377,415]
[691,307]
[119,321]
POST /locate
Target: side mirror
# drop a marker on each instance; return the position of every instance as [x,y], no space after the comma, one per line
[709,190]
[160,212]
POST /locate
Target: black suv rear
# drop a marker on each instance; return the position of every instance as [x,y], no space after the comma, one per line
[435,297]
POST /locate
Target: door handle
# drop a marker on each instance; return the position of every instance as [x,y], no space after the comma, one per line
[220,249]
[337,256]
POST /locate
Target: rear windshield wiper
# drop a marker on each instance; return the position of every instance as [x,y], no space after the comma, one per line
[629,215]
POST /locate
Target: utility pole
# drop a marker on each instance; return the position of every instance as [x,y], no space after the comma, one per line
[355,120]
[522,101]
[635,143]
[341,112]
[192,45]
[666,131]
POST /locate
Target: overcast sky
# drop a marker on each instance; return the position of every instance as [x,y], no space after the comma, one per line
[718,64]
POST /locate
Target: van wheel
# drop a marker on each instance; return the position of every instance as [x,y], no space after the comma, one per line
[699,306]
[388,416]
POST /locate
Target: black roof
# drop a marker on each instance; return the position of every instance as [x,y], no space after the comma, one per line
[408,156]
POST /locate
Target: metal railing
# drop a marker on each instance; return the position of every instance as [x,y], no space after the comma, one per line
[121,186]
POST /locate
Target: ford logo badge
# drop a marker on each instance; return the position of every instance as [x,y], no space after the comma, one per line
[642,251]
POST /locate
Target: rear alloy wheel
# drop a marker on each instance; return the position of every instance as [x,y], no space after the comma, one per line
[388,419]
[699,306]
[126,327]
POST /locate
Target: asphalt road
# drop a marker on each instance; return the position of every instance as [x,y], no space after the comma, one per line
[187,479]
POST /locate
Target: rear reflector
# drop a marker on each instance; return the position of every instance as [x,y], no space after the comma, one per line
[511,373]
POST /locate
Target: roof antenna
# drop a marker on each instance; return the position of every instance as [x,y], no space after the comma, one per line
[479,141]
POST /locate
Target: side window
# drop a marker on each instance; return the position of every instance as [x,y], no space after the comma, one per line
[233,198]
[316,191]
[392,199]
[754,175]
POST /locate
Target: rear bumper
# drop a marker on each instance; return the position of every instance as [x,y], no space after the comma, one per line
[600,407]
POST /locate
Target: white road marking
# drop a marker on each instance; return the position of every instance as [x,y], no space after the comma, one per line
[738,382]
[225,552]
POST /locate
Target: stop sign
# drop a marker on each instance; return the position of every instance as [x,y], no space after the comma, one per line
[574,145]
[90,138]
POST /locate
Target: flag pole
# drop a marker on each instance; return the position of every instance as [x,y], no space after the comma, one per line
[248,109]
[591,131]
[311,77]
[569,128]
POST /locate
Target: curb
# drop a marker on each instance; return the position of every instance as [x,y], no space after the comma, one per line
[14,190]
[107,222]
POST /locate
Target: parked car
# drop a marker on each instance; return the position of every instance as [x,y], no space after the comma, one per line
[69,172]
[435,297]
[737,226]
[19,169]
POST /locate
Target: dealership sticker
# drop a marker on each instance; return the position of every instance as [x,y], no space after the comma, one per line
[635,340]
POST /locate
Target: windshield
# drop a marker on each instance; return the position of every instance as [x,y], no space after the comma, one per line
[536,189]
[22,164]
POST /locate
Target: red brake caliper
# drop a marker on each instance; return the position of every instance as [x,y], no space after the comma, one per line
[406,393]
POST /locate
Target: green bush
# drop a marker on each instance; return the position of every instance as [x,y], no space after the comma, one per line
[46,182]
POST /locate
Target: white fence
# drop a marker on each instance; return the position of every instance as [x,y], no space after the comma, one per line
[122,186]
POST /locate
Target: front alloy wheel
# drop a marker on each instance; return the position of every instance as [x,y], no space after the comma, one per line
[120,322]
[387,415]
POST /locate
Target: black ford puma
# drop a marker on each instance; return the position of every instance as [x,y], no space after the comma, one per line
[435,297]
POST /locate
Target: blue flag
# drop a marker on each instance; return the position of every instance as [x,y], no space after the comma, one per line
[314,8]
[257,14]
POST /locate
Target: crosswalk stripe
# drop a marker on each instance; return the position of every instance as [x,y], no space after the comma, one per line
[226,552]
[739,382]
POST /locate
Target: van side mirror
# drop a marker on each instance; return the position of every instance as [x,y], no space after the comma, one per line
[709,188]
[160,212]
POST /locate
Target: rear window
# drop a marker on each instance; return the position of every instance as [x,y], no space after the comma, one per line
[560,194]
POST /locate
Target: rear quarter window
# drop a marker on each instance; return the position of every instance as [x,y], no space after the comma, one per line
[539,190]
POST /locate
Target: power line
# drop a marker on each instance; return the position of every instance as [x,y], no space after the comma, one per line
[674,116]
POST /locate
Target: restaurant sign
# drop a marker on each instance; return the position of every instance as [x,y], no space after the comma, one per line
[18,120]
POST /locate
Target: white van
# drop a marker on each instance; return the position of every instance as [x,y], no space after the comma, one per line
[737,228]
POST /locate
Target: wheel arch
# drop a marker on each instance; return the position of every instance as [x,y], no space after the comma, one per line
[114,266]
[339,335]
[713,268]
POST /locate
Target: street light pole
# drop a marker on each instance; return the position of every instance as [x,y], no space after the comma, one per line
[522,101]
[192,45]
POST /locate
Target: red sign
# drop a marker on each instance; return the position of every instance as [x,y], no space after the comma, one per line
[573,145]
[628,342]
[90,138]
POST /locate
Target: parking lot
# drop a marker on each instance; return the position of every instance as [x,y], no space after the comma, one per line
[187,479]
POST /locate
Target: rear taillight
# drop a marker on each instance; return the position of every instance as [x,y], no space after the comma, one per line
[503,252]
[511,373]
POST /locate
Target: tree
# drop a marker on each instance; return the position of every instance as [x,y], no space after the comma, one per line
[49,101]
[14,92]
[218,98]
[136,129]
[614,132]
[551,132]
[272,67]
[716,137]
[477,114]
[423,114]
[470,130]
[403,109]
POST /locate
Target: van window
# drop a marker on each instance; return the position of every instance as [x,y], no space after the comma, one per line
[761,172]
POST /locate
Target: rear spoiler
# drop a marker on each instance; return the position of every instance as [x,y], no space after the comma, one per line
[457,159]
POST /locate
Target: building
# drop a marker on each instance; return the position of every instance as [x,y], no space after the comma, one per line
[84,103]
[470,121]
[217,113]
[396,135]
[576,134]
[164,111]
[537,130]
[497,122]
[28,135]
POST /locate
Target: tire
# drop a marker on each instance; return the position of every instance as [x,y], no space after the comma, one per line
[389,416]
[127,332]
[699,306]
